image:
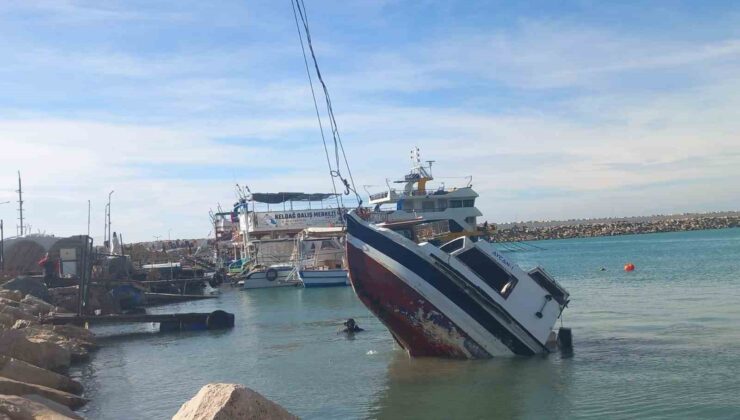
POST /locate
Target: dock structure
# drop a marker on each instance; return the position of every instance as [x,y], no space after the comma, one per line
[167,322]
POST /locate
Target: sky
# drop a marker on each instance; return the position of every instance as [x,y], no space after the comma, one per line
[557,109]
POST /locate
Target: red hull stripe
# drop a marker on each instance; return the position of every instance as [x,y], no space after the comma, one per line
[417,325]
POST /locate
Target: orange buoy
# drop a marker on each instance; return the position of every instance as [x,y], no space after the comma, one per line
[629,267]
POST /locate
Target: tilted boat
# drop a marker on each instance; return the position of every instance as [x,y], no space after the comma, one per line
[461,298]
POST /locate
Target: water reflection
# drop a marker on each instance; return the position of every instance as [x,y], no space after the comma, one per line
[502,388]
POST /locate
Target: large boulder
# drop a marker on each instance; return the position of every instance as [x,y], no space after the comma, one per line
[36,306]
[55,406]
[11,387]
[21,371]
[78,348]
[29,286]
[230,401]
[11,295]
[44,354]
[16,313]
[33,407]
[6,321]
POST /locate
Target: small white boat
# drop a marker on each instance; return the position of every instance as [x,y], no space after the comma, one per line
[324,278]
[320,258]
[278,275]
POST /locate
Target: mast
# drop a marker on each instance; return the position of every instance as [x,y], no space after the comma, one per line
[20,205]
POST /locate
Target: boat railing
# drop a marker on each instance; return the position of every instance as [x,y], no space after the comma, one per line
[378,196]
[424,193]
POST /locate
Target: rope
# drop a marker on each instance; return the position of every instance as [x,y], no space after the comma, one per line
[315,104]
[300,7]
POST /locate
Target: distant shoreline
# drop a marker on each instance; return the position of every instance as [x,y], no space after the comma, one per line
[589,228]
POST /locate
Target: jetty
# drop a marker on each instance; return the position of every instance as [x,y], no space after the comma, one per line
[174,321]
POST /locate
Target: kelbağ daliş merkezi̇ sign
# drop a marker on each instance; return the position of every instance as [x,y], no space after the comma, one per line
[299,219]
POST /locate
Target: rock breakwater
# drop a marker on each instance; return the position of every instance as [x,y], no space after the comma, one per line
[533,231]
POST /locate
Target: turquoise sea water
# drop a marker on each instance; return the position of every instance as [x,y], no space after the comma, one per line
[661,342]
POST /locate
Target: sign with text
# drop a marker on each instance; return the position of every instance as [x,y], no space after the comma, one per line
[299,219]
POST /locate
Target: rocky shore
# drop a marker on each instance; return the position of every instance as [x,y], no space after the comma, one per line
[34,357]
[533,231]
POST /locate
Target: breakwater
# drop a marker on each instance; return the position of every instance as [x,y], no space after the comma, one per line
[532,231]
[34,356]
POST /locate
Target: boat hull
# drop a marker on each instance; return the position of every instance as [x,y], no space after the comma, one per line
[324,278]
[417,325]
[258,280]
[427,311]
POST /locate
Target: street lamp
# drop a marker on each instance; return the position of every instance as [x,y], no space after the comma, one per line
[109,194]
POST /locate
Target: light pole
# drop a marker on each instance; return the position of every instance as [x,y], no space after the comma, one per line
[2,242]
[109,238]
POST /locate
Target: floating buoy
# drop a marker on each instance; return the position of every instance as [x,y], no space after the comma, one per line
[629,267]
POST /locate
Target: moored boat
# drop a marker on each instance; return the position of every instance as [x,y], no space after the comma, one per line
[276,275]
[320,258]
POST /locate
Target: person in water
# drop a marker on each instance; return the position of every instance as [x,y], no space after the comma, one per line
[351,327]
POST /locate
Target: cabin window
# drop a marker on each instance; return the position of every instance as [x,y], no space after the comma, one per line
[547,284]
[468,203]
[470,220]
[456,204]
[453,245]
[441,205]
[489,271]
[408,204]
[427,205]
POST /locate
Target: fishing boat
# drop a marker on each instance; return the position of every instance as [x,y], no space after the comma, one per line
[440,287]
[276,275]
[269,225]
[320,258]
[418,201]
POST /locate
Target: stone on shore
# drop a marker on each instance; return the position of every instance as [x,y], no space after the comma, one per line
[78,348]
[6,321]
[55,406]
[33,407]
[51,356]
[36,306]
[11,295]
[16,313]
[230,401]
[21,371]
[29,286]
[11,387]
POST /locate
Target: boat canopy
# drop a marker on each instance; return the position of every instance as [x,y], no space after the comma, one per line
[282,197]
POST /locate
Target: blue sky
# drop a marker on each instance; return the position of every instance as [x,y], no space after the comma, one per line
[557,109]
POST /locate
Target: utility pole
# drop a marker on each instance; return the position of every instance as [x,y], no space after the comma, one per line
[109,231]
[88,217]
[20,204]
[2,247]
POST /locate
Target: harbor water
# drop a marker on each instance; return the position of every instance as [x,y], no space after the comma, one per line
[662,341]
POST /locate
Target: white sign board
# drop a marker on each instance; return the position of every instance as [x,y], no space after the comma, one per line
[299,219]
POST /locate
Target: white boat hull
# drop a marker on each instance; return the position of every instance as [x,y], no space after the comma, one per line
[260,280]
[324,278]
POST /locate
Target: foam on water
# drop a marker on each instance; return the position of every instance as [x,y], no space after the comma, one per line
[663,341]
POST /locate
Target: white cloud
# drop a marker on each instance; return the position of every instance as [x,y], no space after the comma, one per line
[176,130]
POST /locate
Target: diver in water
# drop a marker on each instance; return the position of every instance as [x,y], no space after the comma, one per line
[351,327]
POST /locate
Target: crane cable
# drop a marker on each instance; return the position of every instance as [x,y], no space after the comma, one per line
[299,9]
